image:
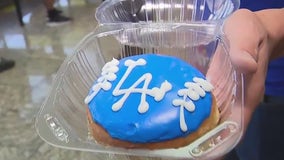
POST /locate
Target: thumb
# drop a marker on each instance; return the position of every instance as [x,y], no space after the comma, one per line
[245,34]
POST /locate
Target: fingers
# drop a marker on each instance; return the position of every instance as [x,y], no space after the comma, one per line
[245,34]
[247,37]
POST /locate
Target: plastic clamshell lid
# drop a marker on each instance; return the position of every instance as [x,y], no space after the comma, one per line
[62,120]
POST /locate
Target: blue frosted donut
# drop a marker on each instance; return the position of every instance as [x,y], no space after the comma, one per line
[149,98]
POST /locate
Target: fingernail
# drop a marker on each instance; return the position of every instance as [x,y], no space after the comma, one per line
[244,61]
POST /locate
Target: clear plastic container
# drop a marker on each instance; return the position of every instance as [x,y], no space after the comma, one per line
[166,11]
[62,120]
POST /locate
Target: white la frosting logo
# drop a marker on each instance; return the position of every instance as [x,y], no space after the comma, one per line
[157,93]
[192,90]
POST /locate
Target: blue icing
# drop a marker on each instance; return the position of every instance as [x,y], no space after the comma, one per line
[162,120]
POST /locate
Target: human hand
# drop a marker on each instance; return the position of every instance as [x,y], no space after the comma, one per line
[254,38]
[249,51]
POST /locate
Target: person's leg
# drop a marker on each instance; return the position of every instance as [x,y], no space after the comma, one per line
[249,147]
[231,156]
[49,4]
[6,64]
[264,137]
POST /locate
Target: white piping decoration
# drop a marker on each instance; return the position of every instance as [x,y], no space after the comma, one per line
[194,90]
[107,75]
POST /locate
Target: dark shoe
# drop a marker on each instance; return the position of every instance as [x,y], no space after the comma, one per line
[57,11]
[53,12]
[6,64]
[55,18]
[58,20]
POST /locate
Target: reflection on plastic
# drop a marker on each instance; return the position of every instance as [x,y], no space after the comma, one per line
[125,11]
[214,138]
[56,128]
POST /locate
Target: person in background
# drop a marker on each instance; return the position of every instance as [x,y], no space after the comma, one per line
[6,64]
[54,15]
[257,48]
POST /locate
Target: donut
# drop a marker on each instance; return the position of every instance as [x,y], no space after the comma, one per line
[150,101]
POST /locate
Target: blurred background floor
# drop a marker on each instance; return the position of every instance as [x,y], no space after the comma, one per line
[38,51]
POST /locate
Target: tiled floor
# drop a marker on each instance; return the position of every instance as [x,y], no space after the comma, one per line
[38,51]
